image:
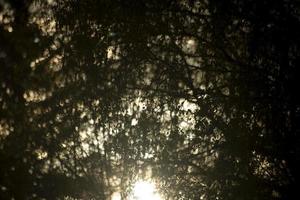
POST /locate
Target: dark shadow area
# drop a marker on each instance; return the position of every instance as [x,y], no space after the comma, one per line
[198,96]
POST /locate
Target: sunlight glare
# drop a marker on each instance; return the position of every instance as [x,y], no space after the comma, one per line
[144,190]
[116,196]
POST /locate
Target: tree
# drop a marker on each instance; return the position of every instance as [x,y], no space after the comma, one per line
[196,95]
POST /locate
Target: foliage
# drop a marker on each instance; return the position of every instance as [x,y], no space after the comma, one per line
[196,95]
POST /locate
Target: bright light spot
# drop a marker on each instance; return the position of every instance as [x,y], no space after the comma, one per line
[113,52]
[116,196]
[144,190]
[134,122]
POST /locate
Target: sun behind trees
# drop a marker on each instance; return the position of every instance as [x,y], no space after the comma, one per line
[98,97]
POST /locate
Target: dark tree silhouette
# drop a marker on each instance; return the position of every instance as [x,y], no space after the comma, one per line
[199,96]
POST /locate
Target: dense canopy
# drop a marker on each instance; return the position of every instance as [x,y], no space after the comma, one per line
[199,96]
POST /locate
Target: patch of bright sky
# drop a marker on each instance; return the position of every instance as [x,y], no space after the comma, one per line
[6,16]
[113,52]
